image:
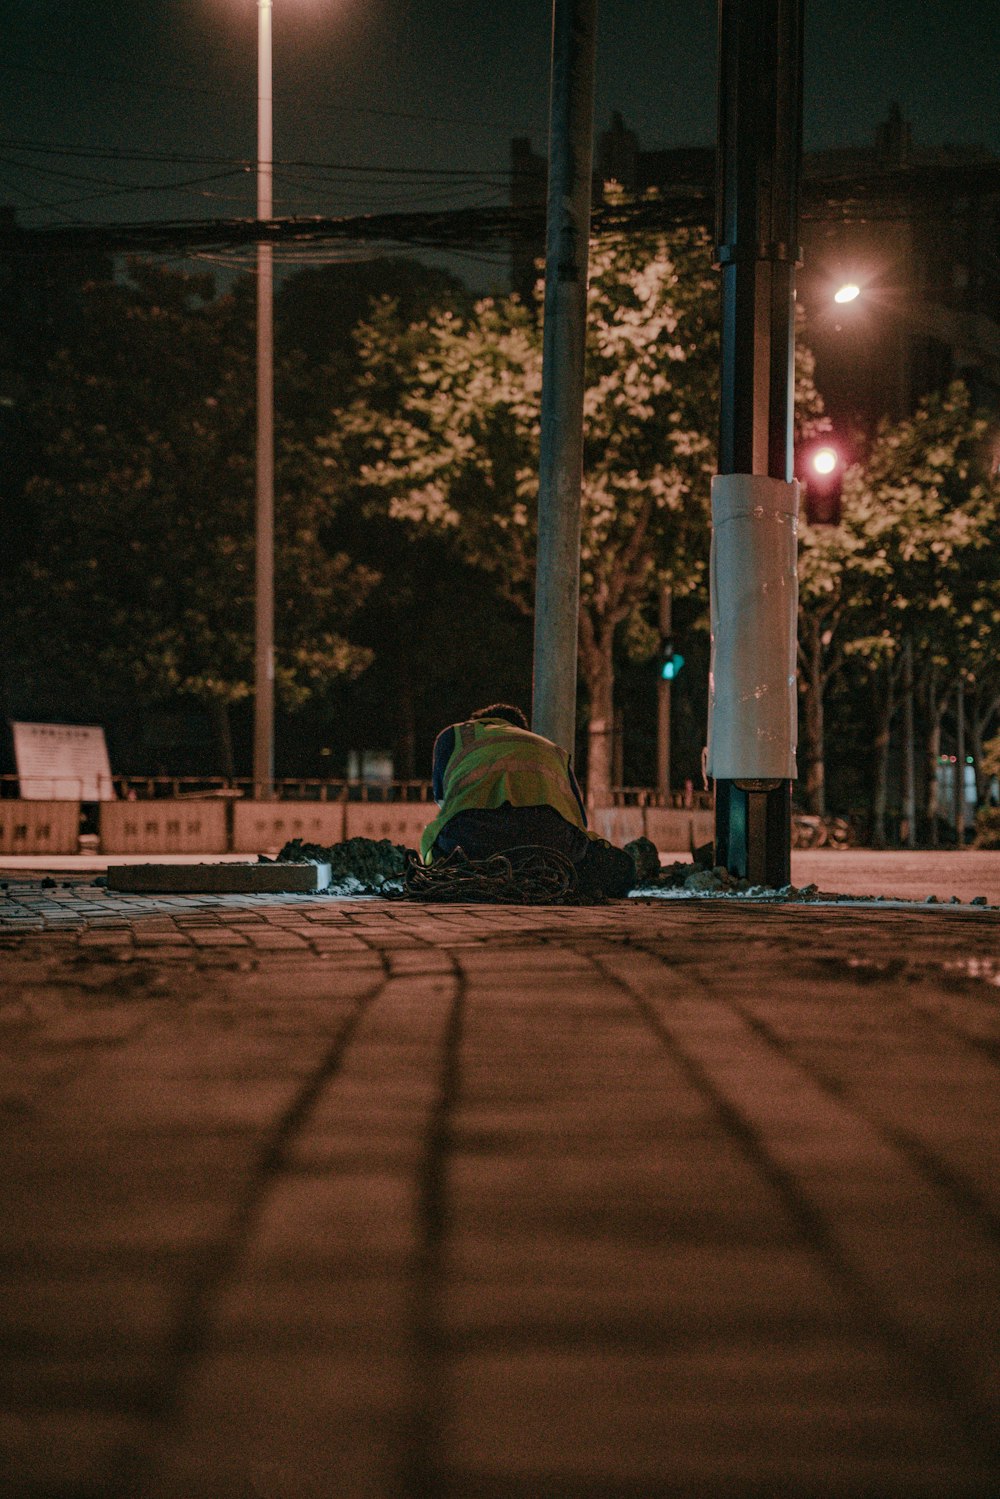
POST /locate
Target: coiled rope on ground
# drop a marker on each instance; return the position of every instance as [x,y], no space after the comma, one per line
[529,875]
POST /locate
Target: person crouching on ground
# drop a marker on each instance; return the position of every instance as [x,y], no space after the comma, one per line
[501,787]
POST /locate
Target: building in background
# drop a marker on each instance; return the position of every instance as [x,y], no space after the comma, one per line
[916,230]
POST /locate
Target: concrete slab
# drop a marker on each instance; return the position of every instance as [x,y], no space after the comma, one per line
[219,879]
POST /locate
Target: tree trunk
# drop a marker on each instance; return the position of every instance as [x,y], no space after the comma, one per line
[976,751]
[812,720]
[618,750]
[932,806]
[597,663]
[882,684]
[984,709]
[406,735]
[218,715]
[935,709]
[908,828]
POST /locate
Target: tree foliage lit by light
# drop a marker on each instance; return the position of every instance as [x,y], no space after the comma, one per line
[461,451]
[912,557]
[142,535]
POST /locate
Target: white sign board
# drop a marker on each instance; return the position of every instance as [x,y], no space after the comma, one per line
[62,762]
[369,765]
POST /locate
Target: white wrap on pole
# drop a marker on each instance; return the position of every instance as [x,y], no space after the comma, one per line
[752,705]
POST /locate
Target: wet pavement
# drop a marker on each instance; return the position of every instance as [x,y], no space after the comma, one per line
[312,1197]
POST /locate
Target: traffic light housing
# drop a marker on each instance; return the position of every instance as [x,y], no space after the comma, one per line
[670,660]
[822,473]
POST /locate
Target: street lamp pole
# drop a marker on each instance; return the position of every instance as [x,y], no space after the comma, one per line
[263,739]
[557,584]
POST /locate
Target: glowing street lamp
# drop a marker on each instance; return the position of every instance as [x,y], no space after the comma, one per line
[825,460]
[849,292]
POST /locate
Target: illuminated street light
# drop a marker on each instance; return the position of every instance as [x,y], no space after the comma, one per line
[847,293]
[825,460]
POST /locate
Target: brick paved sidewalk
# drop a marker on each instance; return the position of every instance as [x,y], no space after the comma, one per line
[312,1199]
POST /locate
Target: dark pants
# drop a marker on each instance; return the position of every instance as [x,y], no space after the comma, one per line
[601,869]
[605,870]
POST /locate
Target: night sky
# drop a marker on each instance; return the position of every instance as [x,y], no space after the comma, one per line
[146,108]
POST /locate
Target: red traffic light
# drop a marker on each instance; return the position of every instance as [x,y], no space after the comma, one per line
[821,472]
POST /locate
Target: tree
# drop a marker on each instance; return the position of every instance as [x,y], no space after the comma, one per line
[41,310]
[461,451]
[910,559]
[823,601]
[990,762]
[140,577]
[318,307]
[929,482]
[984,709]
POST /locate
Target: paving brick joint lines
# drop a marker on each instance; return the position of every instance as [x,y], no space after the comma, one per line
[392,1201]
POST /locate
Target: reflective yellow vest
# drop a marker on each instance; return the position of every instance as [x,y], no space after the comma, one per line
[493,763]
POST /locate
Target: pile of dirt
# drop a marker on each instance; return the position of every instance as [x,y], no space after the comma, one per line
[358,866]
[700,876]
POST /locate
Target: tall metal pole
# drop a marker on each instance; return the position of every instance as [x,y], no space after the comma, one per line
[557,586]
[909,768]
[960,762]
[263,736]
[759,163]
[663,705]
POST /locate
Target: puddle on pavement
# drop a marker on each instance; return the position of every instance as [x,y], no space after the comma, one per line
[976,968]
[987,970]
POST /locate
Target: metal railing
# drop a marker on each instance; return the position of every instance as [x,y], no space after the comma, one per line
[296,789]
[56,788]
[645,796]
[154,788]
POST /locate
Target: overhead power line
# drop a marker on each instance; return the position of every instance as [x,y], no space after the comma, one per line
[298,182]
[176,158]
[928,193]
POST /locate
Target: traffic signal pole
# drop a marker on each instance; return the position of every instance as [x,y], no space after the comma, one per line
[752,690]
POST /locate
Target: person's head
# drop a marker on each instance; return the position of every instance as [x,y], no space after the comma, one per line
[507,711]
